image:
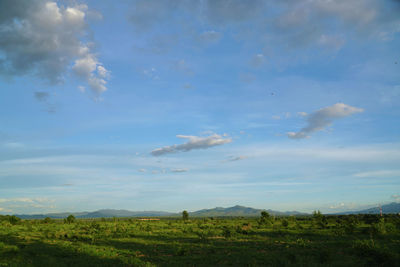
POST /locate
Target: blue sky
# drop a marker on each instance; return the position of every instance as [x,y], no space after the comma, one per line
[172,105]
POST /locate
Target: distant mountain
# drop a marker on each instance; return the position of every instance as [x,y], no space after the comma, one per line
[106,213]
[216,212]
[386,209]
[239,211]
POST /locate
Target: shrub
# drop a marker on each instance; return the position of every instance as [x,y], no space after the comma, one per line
[14,219]
[226,232]
[47,220]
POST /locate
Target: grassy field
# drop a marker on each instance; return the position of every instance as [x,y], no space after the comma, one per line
[266,241]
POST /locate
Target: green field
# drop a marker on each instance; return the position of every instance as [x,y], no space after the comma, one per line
[363,240]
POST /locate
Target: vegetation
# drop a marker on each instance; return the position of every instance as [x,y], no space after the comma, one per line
[318,240]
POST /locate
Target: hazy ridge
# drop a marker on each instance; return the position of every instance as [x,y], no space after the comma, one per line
[234,211]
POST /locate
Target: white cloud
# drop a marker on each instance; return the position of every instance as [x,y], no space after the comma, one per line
[44,38]
[324,117]
[194,142]
[91,70]
[142,170]
[344,206]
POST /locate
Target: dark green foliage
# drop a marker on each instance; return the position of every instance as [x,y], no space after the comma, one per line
[70,219]
[47,220]
[185,215]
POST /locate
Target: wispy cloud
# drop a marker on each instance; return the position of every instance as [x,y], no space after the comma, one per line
[179,170]
[257,60]
[237,158]
[41,96]
[44,98]
[21,203]
[378,174]
[194,142]
[395,197]
[320,119]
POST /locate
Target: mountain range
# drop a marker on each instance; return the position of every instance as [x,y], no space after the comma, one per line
[234,211]
[386,209]
[215,212]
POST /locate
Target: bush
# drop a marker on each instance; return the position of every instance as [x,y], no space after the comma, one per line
[14,219]
[226,232]
[47,220]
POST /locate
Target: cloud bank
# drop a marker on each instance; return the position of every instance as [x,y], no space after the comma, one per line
[194,142]
[320,119]
[42,38]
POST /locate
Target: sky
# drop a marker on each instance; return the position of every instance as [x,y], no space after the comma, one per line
[182,105]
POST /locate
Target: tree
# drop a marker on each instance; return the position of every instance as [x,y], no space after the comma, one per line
[14,219]
[264,215]
[71,219]
[185,215]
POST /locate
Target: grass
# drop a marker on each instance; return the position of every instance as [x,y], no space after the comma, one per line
[304,241]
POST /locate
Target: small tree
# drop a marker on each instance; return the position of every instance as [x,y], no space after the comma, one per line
[185,215]
[265,219]
[264,215]
[70,219]
[14,219]
[47,220]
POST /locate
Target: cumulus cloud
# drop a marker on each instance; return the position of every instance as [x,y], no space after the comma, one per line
[42,38]
[320,119]
[194,142]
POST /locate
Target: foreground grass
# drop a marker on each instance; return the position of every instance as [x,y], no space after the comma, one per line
[201,242]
